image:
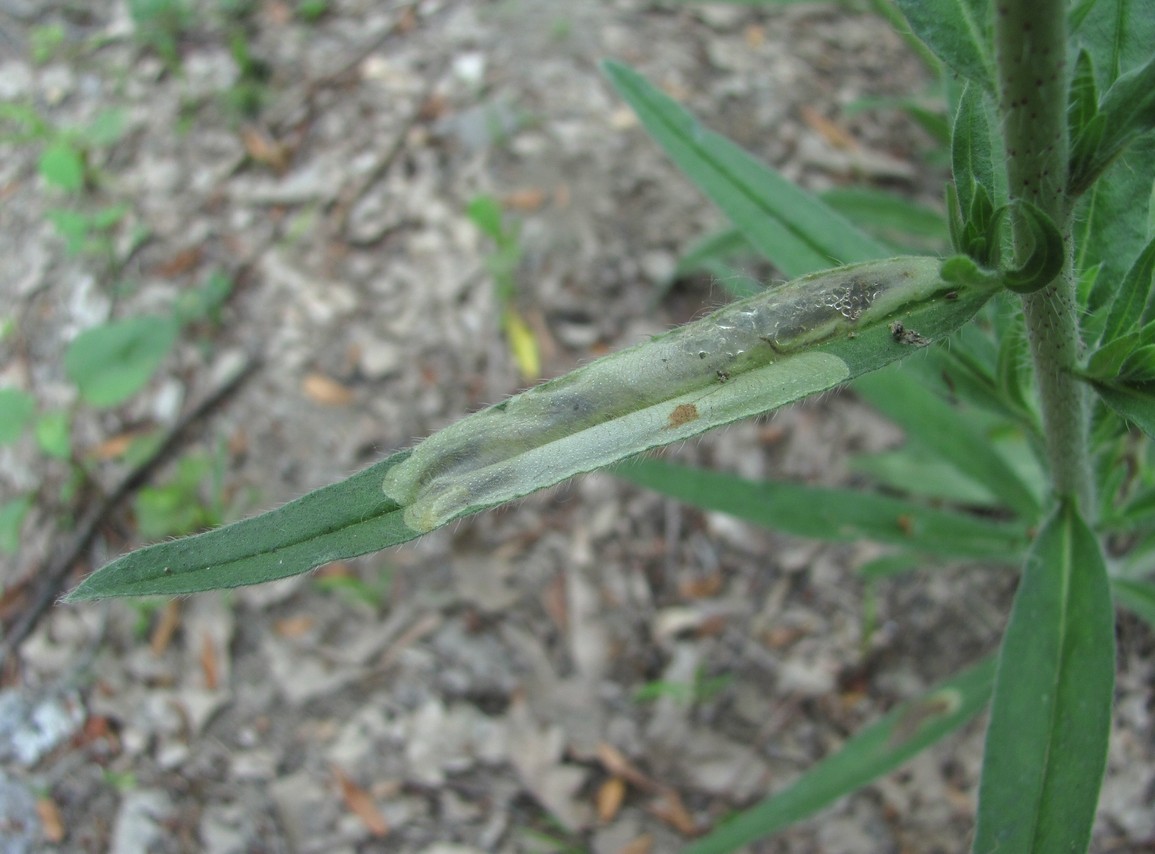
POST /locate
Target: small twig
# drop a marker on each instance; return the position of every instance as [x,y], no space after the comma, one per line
[59,565]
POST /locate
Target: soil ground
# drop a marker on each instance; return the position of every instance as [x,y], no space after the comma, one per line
[483,688]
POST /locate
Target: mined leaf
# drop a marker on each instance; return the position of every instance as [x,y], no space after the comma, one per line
[336,522]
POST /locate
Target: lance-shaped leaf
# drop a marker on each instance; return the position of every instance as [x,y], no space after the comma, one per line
[1126,112]
[792,228]
[336,522]
[838,515]
[930,420]
[750,357]
[903,733]
[959,32]
[1046,744]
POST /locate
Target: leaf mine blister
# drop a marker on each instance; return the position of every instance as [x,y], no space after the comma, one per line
[491,455]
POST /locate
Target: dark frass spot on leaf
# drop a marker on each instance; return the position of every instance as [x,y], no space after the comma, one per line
[907,336]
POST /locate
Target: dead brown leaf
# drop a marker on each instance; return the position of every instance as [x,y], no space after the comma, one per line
[209,666]
[529,199]
[610,796]
[833,133]
[51,823]
[781,637]
[165,628]
[701,588]
[115,446]
[326,390]
[278,12]
[182,262]
[644,844]
[293,627]
[265,150]
[553,599]
[361,804]
[615,763]
[670,809]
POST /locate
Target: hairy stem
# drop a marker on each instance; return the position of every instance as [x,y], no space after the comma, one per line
[1031,39]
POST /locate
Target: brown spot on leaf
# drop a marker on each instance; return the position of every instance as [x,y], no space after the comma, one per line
[683,413]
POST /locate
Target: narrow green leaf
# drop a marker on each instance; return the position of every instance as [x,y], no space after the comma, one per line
[916,471]
[838,515]
[734,280]
[1111,221]
[336,522]
[1127,111]
[959,32]
[719,254]
[982,239]
[1139,366]
[486,213]
[891,565]
[1013,366]
[900,735]
[972,148]
[1085,124]
[1105,363]
[1136,404]
[792,228]
[945,429]
[723,244]
[1083,99]
[1138,597]
[1046,745]
[1047,255]
[1127,308]
[1138,512]
[899,222]
[1118,36]
[111,362]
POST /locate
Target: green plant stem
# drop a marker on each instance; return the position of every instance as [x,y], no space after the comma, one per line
[1031,39]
